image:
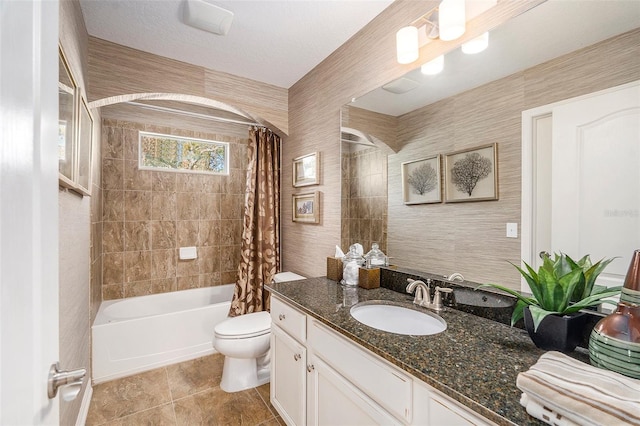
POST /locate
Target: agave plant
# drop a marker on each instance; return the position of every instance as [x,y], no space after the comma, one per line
[561,286]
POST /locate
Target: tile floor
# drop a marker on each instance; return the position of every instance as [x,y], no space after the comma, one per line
[181,394]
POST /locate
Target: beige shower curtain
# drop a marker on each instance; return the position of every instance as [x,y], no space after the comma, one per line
[261,232]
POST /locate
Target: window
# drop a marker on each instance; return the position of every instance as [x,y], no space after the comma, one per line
[75,132]
[182,154]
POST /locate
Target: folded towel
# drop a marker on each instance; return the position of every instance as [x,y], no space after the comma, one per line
[582,393]
[538,410]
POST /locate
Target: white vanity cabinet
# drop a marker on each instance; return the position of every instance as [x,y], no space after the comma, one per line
[319,377]
[288,363]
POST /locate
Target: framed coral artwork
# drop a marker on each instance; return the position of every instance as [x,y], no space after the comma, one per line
[472,174]
[421,182]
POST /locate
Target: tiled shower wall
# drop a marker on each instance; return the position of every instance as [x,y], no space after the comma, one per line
[364,199]
[149,215]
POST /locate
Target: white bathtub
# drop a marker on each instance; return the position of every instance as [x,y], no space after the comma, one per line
[141,333]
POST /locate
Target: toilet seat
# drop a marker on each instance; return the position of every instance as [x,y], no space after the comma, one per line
[244,326]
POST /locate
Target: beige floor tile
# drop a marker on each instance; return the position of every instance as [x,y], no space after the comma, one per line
[122,397]
[190,377]
[265,394]
[216,407]
[159,416]
[275,421]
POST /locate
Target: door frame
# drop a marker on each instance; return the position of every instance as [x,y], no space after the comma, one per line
[28,210]
[528,201]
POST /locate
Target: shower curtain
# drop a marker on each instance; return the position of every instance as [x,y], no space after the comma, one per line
[261,231]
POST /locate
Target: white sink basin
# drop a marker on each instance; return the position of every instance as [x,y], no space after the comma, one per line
[398,319]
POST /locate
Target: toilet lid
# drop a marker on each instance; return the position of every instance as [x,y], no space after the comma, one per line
[247,325]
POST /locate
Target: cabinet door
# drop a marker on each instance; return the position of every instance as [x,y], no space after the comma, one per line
[333,400]
[288,377]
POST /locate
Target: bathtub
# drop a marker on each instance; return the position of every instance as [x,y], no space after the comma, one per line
[141,333]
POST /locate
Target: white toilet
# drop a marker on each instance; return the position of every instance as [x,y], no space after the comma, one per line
[245,341]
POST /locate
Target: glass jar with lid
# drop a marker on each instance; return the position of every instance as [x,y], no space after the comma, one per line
[375,257]
[351,264]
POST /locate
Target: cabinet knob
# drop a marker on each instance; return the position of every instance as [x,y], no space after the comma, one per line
[310,368]
[297,356]
[281,317]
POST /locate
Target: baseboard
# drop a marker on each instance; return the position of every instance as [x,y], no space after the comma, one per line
[84,407]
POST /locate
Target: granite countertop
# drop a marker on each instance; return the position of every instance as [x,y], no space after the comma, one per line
[474,361]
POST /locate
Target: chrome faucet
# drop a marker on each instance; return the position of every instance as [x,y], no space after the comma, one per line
[422,292]
[455,276]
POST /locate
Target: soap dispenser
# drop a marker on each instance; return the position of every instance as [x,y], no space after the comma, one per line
[352,263]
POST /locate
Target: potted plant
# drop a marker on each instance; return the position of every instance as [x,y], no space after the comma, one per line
[560,289]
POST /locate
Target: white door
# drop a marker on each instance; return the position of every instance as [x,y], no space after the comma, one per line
[28,210]
[596,179]
[581,180]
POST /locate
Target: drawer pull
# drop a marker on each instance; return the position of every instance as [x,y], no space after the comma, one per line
[296,357]
[310,368]
[281,317]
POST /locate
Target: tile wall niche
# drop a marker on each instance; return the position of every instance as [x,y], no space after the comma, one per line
[148,215]
[364,198]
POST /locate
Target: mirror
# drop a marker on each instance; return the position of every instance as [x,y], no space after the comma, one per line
[478,100]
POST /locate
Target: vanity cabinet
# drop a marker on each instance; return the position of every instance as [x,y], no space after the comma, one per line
[319,377]
[288,362]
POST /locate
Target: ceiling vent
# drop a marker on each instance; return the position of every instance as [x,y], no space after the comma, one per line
[401,85]
[207,17]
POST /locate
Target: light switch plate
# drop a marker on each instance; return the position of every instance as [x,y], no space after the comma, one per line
[512,230]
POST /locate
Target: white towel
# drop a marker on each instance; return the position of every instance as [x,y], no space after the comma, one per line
[582,393]
[538,410]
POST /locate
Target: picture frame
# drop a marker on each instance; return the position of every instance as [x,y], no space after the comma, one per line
[306,170]
[306,207]
[422,181]
[472,174]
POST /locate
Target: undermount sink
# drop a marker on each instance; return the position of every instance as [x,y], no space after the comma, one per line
[398,319]
[471,297]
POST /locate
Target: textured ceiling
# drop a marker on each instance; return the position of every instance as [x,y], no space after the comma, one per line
[272,41]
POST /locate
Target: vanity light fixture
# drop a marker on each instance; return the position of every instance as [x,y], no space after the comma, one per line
[407,44]
[476,45]
[434,66]
[451,15]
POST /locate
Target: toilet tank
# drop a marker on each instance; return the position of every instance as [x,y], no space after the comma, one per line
[286,276]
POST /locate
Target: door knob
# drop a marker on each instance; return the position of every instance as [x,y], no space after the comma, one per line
[59,378]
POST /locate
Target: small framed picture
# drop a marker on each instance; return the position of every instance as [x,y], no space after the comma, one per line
[472,174]
[306,207]
[305,170]
[421,182]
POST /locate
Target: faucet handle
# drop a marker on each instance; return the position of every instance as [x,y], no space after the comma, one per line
[437,298]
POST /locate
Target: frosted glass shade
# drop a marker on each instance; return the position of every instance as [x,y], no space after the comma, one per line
[407,44]
[476,45]
[434,66]
[451,19]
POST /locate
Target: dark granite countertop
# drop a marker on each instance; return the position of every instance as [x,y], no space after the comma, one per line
[474,361]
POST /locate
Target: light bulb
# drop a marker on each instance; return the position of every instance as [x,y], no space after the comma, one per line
[451,15]
[434,66]
[407,44]
[476,45]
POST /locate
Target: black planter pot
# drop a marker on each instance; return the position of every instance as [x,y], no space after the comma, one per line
[556,332]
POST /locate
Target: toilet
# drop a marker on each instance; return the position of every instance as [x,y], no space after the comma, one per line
[244,341]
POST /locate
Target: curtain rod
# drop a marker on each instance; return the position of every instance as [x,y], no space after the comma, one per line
[192,114]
